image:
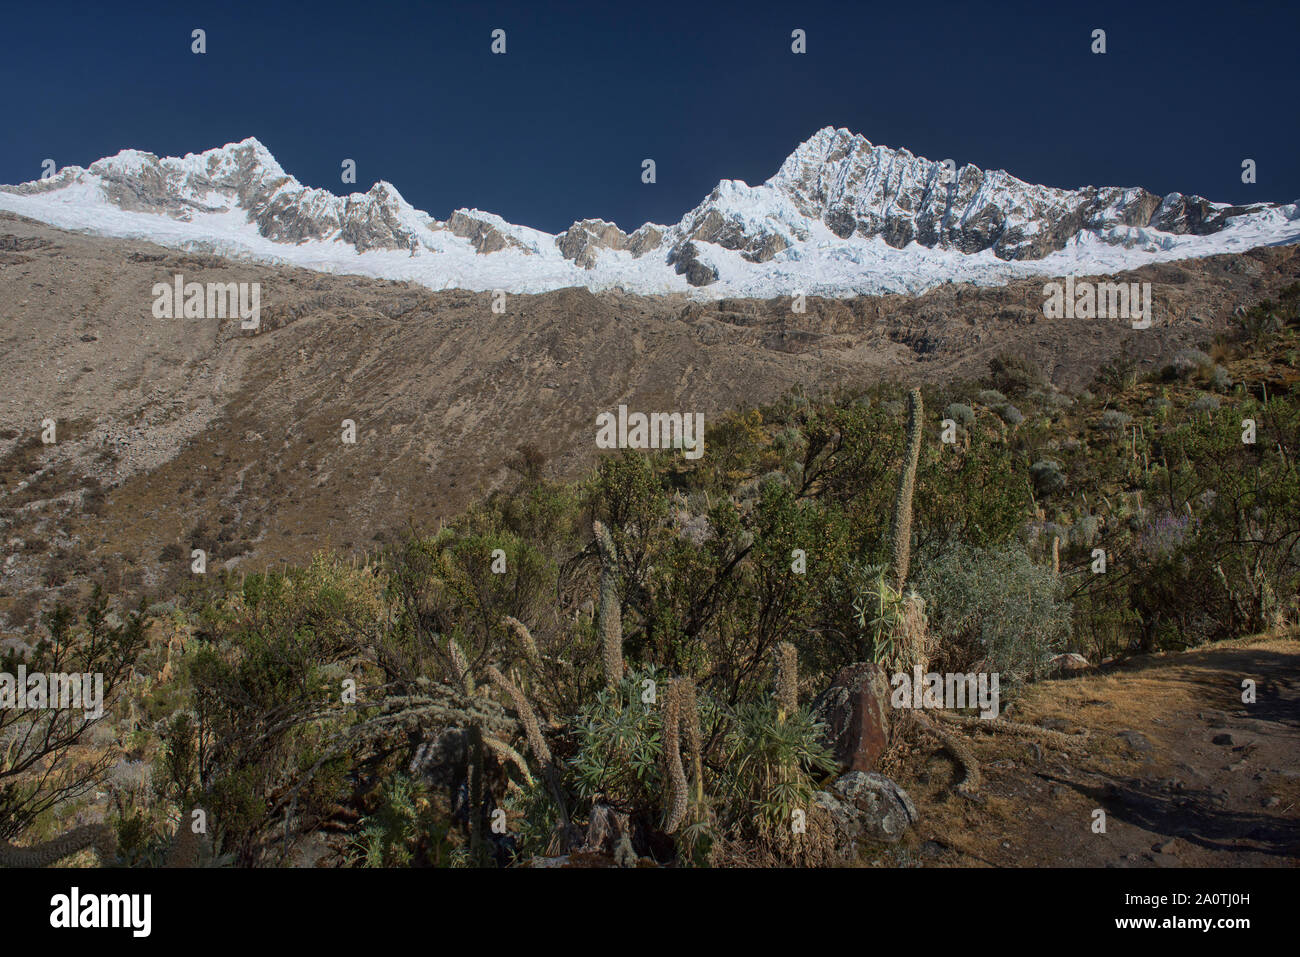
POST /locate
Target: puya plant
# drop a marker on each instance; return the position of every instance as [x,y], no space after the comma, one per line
[618,743]
[774,758]
[889,613]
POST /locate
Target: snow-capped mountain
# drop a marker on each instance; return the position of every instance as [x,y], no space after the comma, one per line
[840,217]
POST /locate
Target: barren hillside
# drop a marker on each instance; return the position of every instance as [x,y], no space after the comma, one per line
[175,432]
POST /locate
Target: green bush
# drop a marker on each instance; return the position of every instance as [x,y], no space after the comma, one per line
[993,604]
[1048,477]
[963,415]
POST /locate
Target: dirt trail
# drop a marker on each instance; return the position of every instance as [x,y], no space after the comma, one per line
[1186,773]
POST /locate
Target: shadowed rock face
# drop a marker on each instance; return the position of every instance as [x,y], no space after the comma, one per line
[685,259]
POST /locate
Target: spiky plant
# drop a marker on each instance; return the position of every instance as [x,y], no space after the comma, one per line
[98,836]
[527,716]
[610,614]
[525,639]
[507,754]
[894,622]
[772,766]
[676,810]
[694,739]
[459,666]
[184,851]
[539,747]
[900,526]
[619,746]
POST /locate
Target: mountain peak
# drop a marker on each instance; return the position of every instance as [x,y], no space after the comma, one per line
[841,216]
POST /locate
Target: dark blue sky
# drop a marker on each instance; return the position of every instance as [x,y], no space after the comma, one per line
[557,128]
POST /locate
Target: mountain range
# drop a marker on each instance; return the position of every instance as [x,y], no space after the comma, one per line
[841,217]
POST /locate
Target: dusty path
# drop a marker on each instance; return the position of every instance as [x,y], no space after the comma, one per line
[1186,774]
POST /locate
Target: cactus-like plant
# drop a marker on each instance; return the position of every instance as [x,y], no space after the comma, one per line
[610,614]
[184,850]
[527,717]
[98,836]
[525,639]
[459,666]
[533,731]
[504,752]
[690,720]
[895,621]
[1056,556]
[676,811]
[900,526]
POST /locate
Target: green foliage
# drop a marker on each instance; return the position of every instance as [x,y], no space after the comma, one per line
[619,747]
[270,654]
[1047,476]
[960,413]
[37,773]
[1223,557]
[787,531]
[773,766]
[534,818]
[994,604]
[882,614]
[1015,374]
[403,830]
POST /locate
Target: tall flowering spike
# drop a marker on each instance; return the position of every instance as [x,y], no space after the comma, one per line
[610,615]
[914,632]
[673,756]
[900,527]
[525,638]
[539,748]
[184,851]
[1056,556]
[98,836]
[787,680]
[690,718]
[527,717]
[459,666]
[504,753]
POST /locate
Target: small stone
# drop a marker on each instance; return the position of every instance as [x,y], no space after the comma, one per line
[1067,662]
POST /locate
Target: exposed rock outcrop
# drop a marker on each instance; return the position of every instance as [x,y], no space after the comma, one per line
[855,711]
[866,807]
